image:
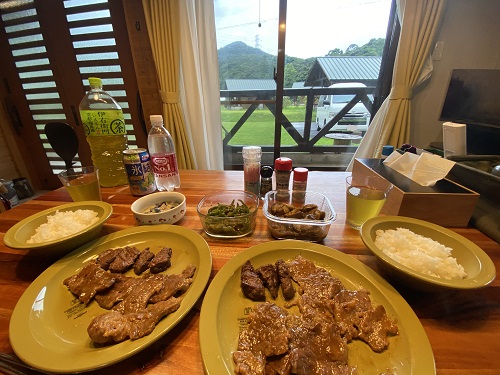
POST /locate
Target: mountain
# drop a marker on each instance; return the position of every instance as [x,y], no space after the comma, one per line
[239,61]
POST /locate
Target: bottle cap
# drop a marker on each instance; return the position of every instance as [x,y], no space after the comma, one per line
[387,150]
[95,82]
[252,152]
[266,171]
[156,119]
[283,164]
[300,174]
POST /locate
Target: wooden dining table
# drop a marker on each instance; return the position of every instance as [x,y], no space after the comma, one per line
[463,327]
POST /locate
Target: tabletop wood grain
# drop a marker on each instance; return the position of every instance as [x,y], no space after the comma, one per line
[463,327]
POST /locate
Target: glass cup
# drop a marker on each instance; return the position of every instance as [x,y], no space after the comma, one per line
[82,183]
[365,197]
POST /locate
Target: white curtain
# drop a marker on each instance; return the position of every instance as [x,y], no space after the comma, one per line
[391,125]
[199,85]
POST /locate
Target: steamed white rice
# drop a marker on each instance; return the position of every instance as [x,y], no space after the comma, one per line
[63,224]
[419,253]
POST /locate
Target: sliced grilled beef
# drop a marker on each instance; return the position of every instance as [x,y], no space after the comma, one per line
[285,280]
[251,284]
[161,261]
[121,288]
[142,262]
[173,284]
[107,257]
[139,296]
[269,276]
[124,260]
[113,327]
[90,280]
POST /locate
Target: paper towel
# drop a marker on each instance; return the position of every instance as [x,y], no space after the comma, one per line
[425,169]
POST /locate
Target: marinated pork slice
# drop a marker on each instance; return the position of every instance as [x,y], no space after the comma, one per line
[267,332]
[107,257]
[142,324]
[161,260]
[108,328]
[321,284]
[142,262]
[90,280]
[118,292]
[251,284]
[285,280]
[349,308]
[139,296]
[248,363]
[113,327]
[124,260]
[316,337]
[173,284]
[300,267]
[269,276]
[375,328]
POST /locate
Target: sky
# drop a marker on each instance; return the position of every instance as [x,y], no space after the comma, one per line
[314,27]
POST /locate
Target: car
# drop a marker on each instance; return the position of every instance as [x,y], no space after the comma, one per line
[356,120]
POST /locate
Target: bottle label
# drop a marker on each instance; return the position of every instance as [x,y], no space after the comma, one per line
[103,122]
[164,165]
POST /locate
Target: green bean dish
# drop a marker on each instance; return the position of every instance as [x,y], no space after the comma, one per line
[232,219]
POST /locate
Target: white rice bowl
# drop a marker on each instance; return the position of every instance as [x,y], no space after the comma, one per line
[419,253]
[477,265]
[62,224]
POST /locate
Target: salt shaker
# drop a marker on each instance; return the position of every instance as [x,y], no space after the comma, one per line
[251,168]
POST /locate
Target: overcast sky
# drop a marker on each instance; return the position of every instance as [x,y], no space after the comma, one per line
[314,27]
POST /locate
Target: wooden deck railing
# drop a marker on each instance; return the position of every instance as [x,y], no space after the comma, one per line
[306,140]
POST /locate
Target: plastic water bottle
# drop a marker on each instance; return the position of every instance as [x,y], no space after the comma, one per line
[162,153]
[102,118]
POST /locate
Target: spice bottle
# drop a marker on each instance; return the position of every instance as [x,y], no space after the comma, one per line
[251,168]
[282,170]
[299,186]
[266,179]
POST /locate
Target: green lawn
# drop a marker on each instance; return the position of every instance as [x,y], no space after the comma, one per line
[259,128]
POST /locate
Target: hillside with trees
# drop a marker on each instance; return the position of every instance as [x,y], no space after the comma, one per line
[240,61]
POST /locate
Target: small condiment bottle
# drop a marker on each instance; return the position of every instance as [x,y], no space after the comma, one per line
[251,168]
[266,179]
[299,186]
[282,172]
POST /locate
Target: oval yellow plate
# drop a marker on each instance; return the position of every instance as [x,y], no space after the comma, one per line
[48,327]
[224,308]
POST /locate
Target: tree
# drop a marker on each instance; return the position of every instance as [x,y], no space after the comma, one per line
[335,52]
[374,47]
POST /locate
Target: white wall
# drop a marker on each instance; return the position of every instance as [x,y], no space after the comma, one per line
[470,31]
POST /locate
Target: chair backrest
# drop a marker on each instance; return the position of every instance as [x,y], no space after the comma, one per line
[64,141]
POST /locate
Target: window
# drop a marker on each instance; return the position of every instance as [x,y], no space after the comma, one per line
[316,31]
[53,48]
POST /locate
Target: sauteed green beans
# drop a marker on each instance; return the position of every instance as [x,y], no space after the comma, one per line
[229,219]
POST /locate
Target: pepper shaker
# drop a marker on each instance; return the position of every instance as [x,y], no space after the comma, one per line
[266,180]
